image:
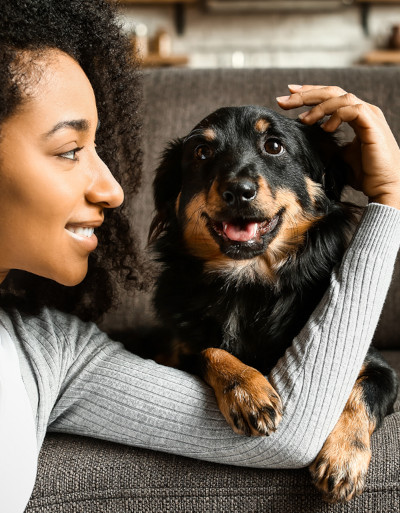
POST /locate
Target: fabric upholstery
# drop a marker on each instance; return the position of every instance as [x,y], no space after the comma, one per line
[78,475]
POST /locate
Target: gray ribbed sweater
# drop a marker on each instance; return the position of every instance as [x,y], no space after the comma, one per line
[79,381]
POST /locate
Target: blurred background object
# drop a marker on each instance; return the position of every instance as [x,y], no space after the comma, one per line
[394,41]
[266,33]
[140,40]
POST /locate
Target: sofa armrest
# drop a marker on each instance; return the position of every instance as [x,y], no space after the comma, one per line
[81,475]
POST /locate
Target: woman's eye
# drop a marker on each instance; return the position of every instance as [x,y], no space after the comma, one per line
[274,147]
[70,155]
[203,152]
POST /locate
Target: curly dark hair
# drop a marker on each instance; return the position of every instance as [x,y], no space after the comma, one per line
[88,31]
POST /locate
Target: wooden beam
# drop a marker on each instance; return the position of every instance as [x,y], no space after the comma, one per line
[382,57]
[155,2]
[378,1]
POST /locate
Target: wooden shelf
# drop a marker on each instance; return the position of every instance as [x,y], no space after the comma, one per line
[179,6]
[382,57]
[378,1]
[155,2]
[153,60]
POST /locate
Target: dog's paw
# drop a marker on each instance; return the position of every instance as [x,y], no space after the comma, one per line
[250,404]
[340,468]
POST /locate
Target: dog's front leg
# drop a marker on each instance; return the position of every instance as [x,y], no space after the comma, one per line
[340,468]
[245,397]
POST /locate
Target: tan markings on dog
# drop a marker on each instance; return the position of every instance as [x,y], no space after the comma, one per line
[173,353]
[214,200]
[314,190]
[237,271]
[209,134]
[292,232]
[177,203]
[245,397]
[341,466]
[265,200]
[261,125]
[196,234]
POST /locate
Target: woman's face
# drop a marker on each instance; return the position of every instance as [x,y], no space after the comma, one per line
[53,185]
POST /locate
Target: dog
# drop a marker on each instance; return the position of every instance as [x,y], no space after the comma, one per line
[249,226]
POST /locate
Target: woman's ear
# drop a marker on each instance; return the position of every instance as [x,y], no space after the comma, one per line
[166,187]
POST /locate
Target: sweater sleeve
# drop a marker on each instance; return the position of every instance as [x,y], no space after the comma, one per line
[103,391]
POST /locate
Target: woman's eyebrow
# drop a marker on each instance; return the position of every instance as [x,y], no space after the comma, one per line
[80,125]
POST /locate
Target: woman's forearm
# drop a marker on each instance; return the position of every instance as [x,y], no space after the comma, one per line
[111,394]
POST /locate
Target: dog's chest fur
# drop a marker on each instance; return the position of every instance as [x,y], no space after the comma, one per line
[258,323]
[252,320]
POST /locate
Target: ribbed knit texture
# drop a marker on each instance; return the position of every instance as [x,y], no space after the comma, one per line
[81,382]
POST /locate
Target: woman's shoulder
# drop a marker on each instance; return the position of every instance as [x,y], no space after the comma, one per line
[48,333]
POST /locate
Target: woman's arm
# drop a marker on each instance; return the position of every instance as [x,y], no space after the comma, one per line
[92,386]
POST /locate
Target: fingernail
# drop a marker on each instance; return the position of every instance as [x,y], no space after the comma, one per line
[303,115]
[282,98]
[294,87]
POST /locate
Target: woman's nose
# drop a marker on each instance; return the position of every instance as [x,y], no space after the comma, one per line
[103,190]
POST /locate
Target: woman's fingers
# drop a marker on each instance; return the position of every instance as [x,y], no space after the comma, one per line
[335,102]
[308,95]
[329,107]
[373,154]
[358,116]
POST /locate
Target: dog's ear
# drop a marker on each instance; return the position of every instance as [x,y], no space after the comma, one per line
[166,187]
[333,170]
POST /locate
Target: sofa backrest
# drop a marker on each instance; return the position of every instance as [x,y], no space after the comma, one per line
[176,99]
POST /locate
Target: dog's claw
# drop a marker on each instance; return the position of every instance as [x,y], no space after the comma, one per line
[339,473]
[251,407]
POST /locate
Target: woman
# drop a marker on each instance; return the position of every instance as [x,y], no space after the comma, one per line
[63,64]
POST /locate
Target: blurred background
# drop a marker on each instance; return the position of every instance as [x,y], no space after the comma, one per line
[263,33]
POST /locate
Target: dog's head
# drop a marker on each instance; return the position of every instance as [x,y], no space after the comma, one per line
[247,183]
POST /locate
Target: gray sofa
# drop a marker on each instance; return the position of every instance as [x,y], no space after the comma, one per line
[79,475]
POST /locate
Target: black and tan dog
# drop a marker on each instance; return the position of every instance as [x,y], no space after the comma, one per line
[249,226]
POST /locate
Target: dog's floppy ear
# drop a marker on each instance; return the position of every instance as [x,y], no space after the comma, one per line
[334,170]
[166,187]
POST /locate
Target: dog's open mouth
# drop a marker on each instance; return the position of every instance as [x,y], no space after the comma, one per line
[244,231]
[244,238]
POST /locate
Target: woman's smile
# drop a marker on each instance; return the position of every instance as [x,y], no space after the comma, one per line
[83,233]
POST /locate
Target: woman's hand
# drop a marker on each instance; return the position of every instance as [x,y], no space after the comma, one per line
[373,155]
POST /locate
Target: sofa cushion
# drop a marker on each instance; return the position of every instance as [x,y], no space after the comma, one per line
[80,475]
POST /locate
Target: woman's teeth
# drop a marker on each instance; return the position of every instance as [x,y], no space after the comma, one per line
[83,232]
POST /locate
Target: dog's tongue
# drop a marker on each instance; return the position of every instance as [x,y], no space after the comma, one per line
[240,233]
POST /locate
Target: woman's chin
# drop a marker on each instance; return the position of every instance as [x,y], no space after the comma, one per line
[70,277]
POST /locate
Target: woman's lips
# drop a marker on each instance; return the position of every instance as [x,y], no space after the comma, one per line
[84,234]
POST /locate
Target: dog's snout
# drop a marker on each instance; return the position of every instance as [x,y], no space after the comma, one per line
[236,193]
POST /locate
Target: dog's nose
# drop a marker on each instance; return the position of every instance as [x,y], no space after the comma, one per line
[239,192]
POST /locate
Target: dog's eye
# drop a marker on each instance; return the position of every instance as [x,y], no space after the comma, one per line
[273,147]
[203,152]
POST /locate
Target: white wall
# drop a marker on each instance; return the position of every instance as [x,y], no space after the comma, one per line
[332,39]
